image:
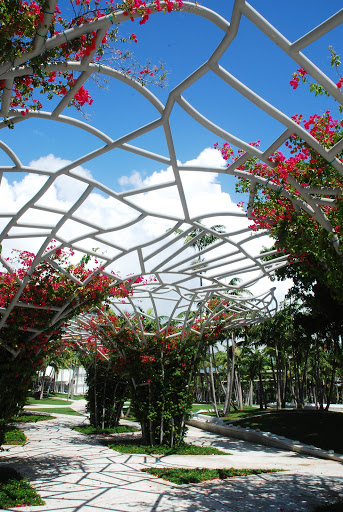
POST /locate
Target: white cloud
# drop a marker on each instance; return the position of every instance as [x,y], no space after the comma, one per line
[202,190]
[55,163]
[135,179]
[14,196]
[66,188]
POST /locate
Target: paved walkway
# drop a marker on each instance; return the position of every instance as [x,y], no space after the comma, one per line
[73,473]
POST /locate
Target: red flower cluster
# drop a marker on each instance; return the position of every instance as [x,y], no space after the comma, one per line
[17,35]
[301,73]
[279,192]
[49,293]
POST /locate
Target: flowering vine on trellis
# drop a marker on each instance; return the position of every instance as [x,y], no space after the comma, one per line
[298,196]
[158,361]
[25,23]
[51,292]
[301,75]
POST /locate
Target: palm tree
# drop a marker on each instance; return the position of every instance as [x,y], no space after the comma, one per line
[202,240]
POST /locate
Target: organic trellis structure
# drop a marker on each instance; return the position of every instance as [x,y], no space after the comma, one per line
[154,356]
[229,310]
[164,264]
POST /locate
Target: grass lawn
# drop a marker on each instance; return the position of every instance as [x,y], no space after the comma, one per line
[134,446]
[59,410]
[201,407]
[31,418]
[234,415]
[89,430]
[47,401]
[247,411]
[317,428]
[182,476]
[65,395]
[16,491]
[14,435]
[130,417]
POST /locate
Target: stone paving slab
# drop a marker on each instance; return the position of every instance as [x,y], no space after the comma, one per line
[73,473]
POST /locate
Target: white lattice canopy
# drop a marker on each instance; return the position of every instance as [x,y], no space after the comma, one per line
[138,238]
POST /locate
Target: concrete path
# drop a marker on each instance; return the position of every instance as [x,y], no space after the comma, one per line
[73,473]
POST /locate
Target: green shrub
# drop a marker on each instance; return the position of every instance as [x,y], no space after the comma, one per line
[16,491]
[106,393]
[90,430]
[182,476]
[135,446]
[31,418]
[13,435]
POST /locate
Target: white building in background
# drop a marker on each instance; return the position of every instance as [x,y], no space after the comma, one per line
[65,378]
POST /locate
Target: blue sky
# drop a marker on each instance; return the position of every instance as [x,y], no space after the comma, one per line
[182,42]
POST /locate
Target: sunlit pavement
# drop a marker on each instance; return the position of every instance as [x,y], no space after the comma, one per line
[74,473]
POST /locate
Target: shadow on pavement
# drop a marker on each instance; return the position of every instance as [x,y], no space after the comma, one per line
[265,493]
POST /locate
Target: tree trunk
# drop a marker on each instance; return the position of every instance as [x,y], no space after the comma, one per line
[230,376]
[221,388]
[261,390]
[314,392]
[213,389]
[239,394]
[226,407]
[285,383]
[73,383]
[251,394]
[318,379]
[43,384]
[276,385]
[50,382]
[332,380]
[302,386]
[96,417]
[104,397]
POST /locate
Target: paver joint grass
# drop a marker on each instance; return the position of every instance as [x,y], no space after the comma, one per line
[182,476]
[89,430]
[135,446]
